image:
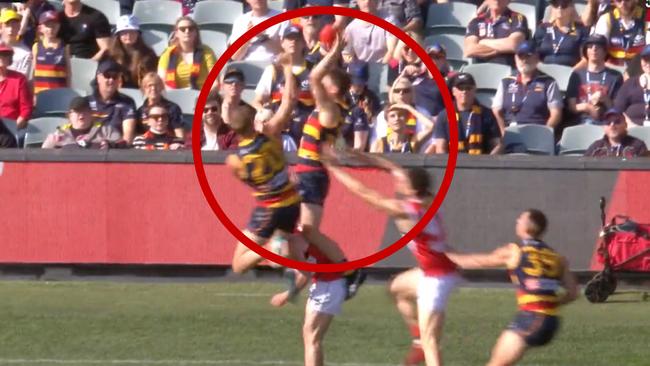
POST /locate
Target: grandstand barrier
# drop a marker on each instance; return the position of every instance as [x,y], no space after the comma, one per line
[127,207]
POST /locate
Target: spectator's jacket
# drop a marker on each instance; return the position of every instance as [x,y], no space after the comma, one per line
[526,104]
[99,136]
[153,141]
[625,44]
[629,148]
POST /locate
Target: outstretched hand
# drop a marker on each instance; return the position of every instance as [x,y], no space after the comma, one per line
[329,156]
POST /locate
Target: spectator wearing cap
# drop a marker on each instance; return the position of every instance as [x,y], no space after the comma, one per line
[360,95]
[82,131]
[159,135]
[438,55]
[633,99]
[592,89]
[216,134]
[50,55]
[109,106]
[311,27]
[232,88]
[186,63]
[559,40]
[85,29]
[625,28]
[265,45]
[152,89]
[15,97]
[366,41]
[31,12]
[271,86]
[494,36]
[478,131]
[401,139]
[529,97]
[130,51]
[616,142]
[10,27]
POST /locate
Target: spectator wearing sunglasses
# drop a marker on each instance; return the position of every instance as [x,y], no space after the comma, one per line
[311,27]
[187,62]
[159,136]
[592,89]
[216,135]
[625,28]
[266,45]
[616,142]
[109,106]
[559,40]
[232,88]
[478,131]
[152,88]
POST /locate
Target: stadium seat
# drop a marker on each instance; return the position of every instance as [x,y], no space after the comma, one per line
[217,14]
[157,14]
[576,139]
[134,94]
[55,102]
[560,73]
[640,132]
[216,40]
[157,39]
[529,11]
[13,128]
[485,98]
[110,8]
[536,139]
[185,98]
[276,5]
[39,128]
[450,15]
[453,43]
[488,75]
[83,73]
[248,95]
[378,78]
[252,71]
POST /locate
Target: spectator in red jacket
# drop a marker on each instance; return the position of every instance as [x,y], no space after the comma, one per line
[15,97]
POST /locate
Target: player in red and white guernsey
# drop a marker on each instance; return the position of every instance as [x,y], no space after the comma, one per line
[326,296]
[420,293]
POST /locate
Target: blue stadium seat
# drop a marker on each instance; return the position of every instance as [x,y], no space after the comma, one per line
[135,94]
[488,75]
[560,73]
[216,40]
[110,8]
[55,102]
[450,15]
[158,14]
[157,39]
[252,71]
[39,128]
[640,132]
[533,139]
[83,72]
[576,139]
[453,43]
[13,128]
[217,14]
[185,98]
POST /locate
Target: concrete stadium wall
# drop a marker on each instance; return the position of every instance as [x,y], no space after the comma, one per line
[131,207]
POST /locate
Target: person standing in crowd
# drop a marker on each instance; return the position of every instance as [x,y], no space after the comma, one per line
[530,97]
[616,142]
[559,40]
[311,27]
[152,88]
[495,35]
[85,29]
[633,99]
[232,88]
[31,11]
[82,131]
[360,95]
[625,28]
[15,98]
[186,63]
[10,27]
[438,55]
[109,106]
[366,41]
[271,86]
[593,11]
[592,89]
[51,57]
[130,51]
[159,136]
[265,45]
[478,131]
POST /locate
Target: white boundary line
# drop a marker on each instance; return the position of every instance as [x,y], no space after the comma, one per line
[167,362]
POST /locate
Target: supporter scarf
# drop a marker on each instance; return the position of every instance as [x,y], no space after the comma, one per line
[170,75]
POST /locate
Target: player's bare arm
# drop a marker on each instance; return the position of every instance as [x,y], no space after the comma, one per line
[400,178]
[329,114]
[281,118]
[505,256]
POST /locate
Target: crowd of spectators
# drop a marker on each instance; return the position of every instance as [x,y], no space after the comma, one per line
[605,47]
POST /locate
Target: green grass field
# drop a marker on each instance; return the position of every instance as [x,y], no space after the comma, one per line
[102,323]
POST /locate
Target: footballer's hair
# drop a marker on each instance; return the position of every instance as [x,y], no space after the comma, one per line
[537,222]
[420,181]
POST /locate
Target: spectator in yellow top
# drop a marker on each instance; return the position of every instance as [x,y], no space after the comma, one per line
[186,62]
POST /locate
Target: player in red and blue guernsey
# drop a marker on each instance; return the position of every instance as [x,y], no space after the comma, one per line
[421,294]
[539,273]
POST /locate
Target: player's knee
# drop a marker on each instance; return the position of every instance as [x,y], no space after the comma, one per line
[238,269]
[309,231]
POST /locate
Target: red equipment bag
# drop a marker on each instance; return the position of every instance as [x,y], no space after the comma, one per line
[625,239]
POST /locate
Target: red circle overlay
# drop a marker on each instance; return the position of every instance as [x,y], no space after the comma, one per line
[335,267]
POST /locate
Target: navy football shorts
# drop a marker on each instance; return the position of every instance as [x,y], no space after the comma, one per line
[313,186]
[265,220]
[537,329]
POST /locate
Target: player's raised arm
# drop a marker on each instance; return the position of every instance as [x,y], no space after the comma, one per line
[372,197]
[400,176]
[505,256]
[329,113]
[282,116]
